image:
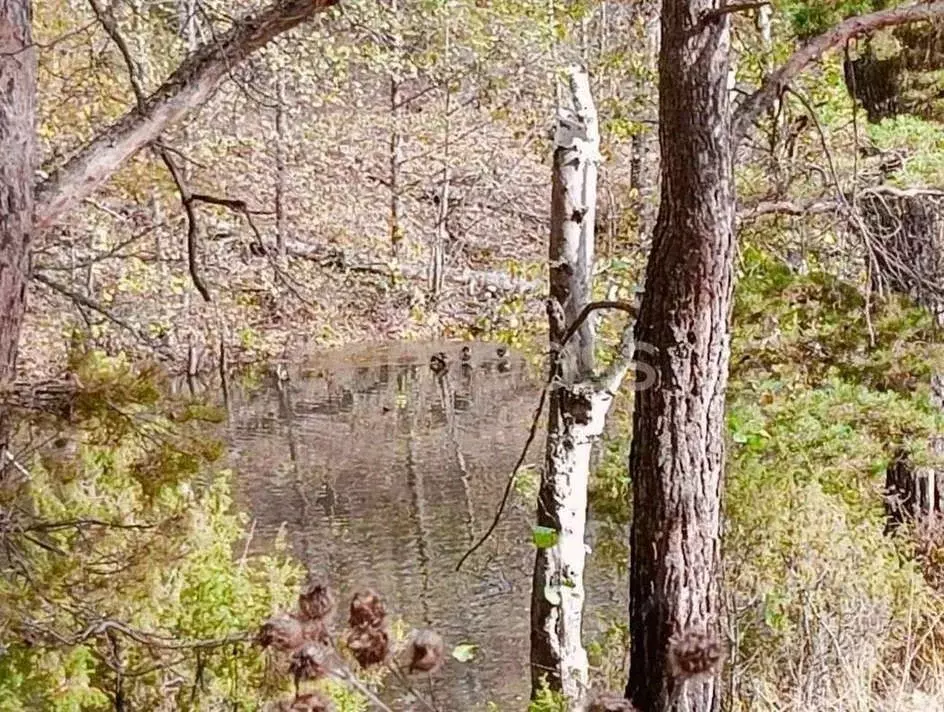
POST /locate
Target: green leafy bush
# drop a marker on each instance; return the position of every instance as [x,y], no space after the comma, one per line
[123,576]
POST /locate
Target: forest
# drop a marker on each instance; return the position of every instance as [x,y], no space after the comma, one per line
[466,355]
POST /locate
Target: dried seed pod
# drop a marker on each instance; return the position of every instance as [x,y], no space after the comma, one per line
[367,610]
[309,662]
[693,653]
[282,632]
[368,645]
[315,632]
[610,702]
[427,651]
[316,602]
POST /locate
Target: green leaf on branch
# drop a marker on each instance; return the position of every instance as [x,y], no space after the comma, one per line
[544,537]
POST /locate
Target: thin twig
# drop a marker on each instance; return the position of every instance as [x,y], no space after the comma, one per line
[588,310]
[346,676]
[113,252]
[249,537]
[52,43]
[536,419]
[398,673]
[16,464]
[149,639]
[78,523]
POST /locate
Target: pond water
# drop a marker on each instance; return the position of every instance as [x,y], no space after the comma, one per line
[382,473]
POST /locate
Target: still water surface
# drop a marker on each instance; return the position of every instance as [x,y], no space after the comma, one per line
[382,473]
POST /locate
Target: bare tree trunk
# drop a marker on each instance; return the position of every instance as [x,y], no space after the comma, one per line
[396,150]
[396,162]
[677,455]
[17,161]
[578,405]
[187,23]
[437,263]
[280,170]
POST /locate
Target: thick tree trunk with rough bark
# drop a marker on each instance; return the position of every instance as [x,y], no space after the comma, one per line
[578,405]
[677,455]
[17,160]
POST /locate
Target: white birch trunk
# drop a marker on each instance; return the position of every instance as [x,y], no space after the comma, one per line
[578,405]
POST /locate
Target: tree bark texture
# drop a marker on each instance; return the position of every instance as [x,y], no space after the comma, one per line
[677,455]
[17,161]
[577,409]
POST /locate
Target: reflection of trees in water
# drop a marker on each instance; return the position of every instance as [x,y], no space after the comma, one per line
[378,473]
[414,479]
[305,536]
[448,401]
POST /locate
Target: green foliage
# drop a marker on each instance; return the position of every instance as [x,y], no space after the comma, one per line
[815,328]
[810,18]
[607,655]
[345,698]
[547,701]
[921,141]
[527,482]
[544,537]
[124,557]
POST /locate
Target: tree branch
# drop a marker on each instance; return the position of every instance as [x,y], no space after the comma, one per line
[822,206]
[189,86]
[150,640]
[107,19]
[587,311]
[186,200]
[758,102]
